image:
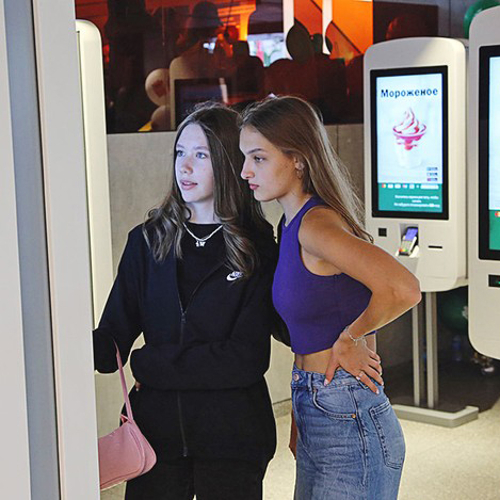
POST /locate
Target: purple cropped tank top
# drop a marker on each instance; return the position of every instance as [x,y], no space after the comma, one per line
[315,308]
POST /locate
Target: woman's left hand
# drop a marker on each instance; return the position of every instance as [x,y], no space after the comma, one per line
[357,359]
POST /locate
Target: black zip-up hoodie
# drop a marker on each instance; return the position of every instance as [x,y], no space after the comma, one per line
[201,370]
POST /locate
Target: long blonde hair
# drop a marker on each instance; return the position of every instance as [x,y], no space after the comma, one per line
[234,204]
[293,126]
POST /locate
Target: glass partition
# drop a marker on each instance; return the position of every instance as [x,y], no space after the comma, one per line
[153,48]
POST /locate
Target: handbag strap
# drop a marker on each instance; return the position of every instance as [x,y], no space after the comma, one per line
[124,383]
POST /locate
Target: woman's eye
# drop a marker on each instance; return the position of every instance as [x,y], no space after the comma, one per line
[201,156]
[258,159]
[179,153]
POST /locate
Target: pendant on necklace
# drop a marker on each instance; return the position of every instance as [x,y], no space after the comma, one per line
[200,243]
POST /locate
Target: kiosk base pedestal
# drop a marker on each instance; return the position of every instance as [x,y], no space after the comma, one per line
[421,382]
[437,417]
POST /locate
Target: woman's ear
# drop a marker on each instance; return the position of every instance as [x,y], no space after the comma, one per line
[299,167]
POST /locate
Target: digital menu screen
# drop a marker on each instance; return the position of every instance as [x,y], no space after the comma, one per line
[489,153]
[409,137]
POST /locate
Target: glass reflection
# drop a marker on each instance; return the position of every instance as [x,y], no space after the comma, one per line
[163,56]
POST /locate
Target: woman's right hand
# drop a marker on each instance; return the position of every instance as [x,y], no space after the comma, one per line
[357,359]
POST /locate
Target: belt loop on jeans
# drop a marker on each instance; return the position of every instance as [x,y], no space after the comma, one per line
[310,381]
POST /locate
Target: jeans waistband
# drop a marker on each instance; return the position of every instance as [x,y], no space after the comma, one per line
[310,380]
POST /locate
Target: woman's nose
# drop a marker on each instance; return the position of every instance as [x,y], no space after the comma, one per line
[186,167]
[246,173]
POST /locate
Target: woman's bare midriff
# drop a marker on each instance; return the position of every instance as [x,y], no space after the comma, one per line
[318,361]
[314,362]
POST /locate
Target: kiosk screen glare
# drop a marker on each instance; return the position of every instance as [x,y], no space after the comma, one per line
[410,134]
[494,155]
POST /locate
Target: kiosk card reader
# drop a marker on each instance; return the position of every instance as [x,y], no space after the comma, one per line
[415,183]
[484,183]
[408,242]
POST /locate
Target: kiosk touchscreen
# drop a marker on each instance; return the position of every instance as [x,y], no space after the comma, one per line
[484,183]
[409,139]
[415,123]
[489,153]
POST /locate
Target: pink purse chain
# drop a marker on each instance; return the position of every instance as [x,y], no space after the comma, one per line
[124,453]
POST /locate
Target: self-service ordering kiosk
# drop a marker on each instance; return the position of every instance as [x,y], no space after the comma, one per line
[484,183]
[98,200]
[415,183]
[96,162]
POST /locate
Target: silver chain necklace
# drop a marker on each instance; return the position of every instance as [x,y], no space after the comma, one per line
[200,242]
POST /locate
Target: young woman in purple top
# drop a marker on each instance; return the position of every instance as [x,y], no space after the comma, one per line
[333,288]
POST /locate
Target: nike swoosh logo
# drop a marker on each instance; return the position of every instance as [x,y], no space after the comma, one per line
[234,276]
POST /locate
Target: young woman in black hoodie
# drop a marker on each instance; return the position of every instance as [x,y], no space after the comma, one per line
[195,279]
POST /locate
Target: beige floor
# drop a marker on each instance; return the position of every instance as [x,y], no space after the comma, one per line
[441,464]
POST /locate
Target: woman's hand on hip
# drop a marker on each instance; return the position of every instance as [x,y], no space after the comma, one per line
[357,359]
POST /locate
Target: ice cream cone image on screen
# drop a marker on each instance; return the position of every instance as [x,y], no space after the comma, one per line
[408,134]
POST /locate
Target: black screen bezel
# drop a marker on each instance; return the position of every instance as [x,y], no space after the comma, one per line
[485,55]
[422,70]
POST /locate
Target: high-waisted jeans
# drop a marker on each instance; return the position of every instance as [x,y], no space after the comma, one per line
[350,444]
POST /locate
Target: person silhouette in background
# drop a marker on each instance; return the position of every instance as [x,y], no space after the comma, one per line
[247,78]
[309,74]
[196,61]
[125,29]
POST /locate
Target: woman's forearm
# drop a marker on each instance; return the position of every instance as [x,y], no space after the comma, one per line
[381,310]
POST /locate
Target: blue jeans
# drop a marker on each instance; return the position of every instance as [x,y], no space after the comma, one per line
[350,444]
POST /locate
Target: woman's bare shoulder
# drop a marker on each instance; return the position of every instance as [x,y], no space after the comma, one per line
[321,220]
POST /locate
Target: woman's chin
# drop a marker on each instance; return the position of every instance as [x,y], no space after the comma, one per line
[261,196]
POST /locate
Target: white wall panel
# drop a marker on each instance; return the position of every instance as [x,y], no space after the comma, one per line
[14,452]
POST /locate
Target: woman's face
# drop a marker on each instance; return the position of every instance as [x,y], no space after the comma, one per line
[193,168]
[270,173]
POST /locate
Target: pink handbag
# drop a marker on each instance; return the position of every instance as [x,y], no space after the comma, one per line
[125,453]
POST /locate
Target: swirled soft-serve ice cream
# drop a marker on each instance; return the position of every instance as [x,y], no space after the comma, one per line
[409,131]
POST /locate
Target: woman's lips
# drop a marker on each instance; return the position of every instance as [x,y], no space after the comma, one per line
[253,187]
[186,185]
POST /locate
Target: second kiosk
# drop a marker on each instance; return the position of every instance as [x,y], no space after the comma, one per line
[415,185]
[484,183]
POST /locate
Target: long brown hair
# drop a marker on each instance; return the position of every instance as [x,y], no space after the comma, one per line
[293,126]
[234,204]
